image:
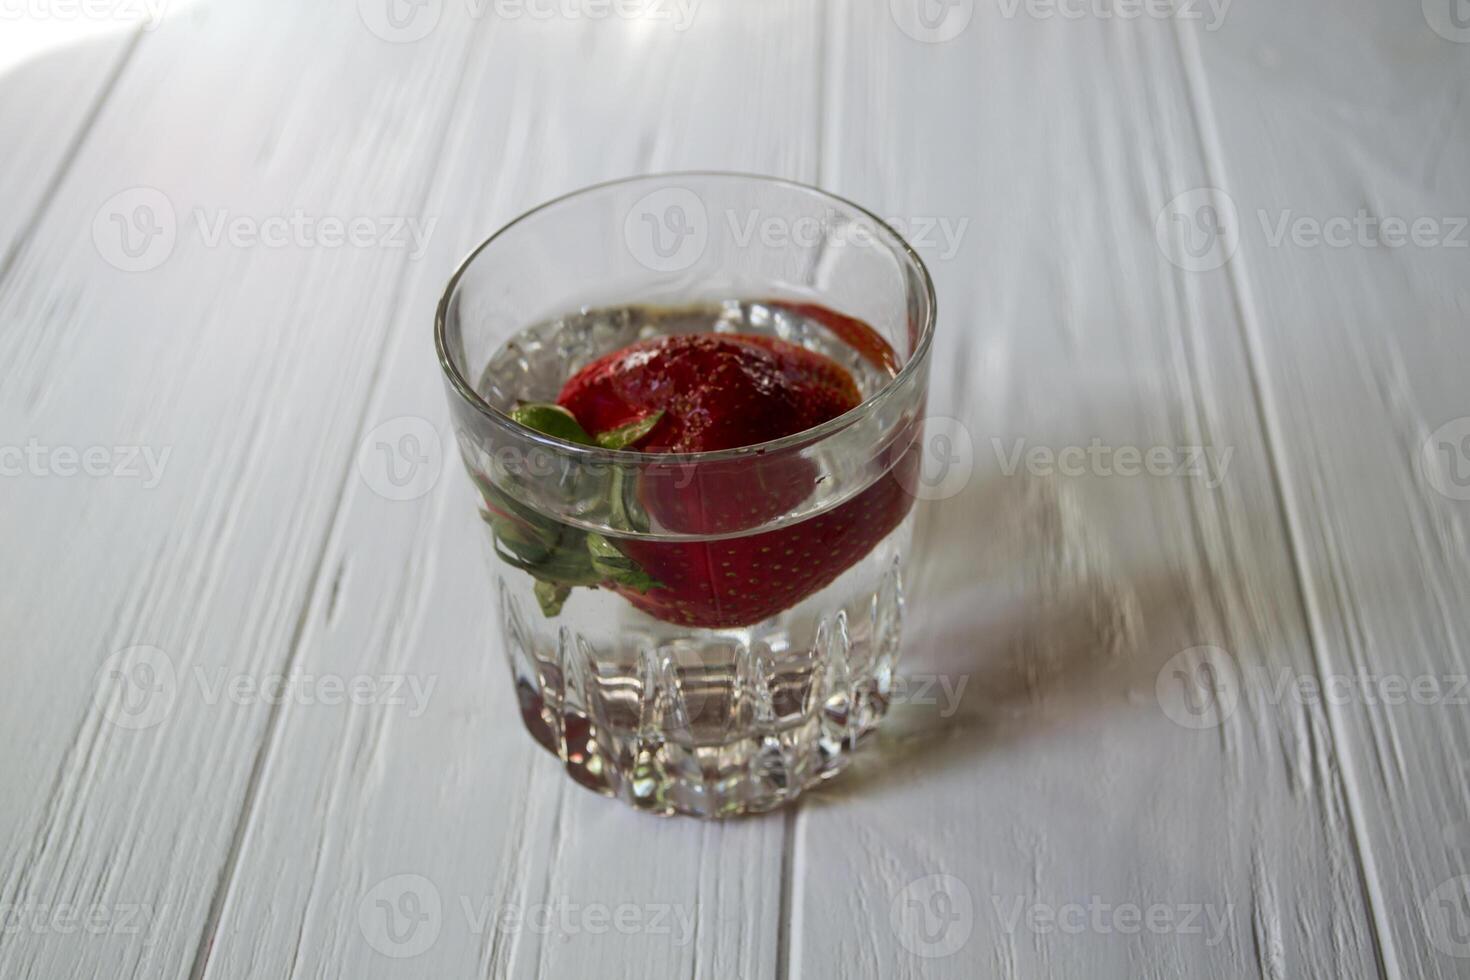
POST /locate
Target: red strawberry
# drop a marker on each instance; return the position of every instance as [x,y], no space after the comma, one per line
[741,581]
[717,391]
[711,392]
[850,330]
[707,392]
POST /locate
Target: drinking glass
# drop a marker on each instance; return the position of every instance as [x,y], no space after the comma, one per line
[769,652]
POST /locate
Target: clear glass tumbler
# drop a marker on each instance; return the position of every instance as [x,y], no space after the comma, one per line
[765,650]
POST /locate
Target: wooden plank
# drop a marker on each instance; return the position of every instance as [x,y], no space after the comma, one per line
[1323,839]
[457,813]
[243,370]
[50,91]
[1359,329]
[1076,814]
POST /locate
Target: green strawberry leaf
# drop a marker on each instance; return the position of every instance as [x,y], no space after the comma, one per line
[519,540]
[618,567]
[552,420]
[558,556]
[625,512]
[551,597]
[625,435]
[562,568]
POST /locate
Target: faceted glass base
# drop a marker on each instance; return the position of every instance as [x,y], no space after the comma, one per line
[710,723]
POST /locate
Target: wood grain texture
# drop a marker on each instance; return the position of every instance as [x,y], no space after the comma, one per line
[459,803]
[1363,349]
[1082,771]
[250,367]
[48,101]
[1061,785]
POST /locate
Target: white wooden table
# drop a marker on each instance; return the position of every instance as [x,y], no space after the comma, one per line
[256,723]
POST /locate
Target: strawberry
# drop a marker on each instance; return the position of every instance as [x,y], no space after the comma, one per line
[741,581]
[714,391]
[702,393]
[717,391]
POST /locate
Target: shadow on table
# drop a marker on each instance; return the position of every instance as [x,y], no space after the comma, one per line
[1019,620]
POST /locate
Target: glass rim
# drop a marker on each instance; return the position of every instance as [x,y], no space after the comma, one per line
[817,433]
